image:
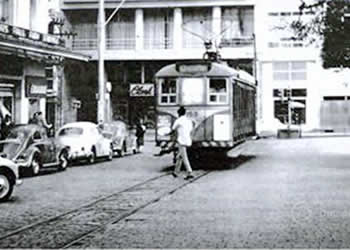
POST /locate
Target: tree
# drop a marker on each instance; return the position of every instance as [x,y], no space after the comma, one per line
[331,26]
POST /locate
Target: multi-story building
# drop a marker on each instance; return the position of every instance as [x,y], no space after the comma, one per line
[145,35]
[32,62]
[289,68]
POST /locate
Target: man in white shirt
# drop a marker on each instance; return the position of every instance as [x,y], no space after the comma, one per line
[183,127]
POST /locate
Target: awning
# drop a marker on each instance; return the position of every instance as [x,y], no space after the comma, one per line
[44,51]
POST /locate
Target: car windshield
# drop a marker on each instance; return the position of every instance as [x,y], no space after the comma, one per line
[71,131]
[9,149]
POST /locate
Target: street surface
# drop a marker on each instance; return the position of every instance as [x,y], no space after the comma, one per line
[277,194]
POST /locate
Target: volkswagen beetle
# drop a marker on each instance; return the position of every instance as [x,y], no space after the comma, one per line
[30,148]
[123,139]
[86,141]
[9,177]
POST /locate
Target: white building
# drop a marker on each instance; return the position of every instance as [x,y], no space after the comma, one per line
[286,65]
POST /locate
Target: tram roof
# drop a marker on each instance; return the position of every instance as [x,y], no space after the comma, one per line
[215,70]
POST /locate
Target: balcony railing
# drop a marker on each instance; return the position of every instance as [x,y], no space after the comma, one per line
[14,33]
[162,43]
[120,44]
[236,42]
[84,44]
[130,44]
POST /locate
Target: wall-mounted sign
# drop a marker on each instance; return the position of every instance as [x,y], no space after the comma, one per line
[36,86]
[34,35]
[4,28]
[141,89]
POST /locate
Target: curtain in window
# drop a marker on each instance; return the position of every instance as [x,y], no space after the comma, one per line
[238,22]
[197,24]
[158,28]
[121,30]
[85,25]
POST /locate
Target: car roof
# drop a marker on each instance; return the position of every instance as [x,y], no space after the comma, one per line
[29,127]
[80,125]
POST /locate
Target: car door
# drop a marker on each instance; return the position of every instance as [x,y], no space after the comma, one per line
[46,147]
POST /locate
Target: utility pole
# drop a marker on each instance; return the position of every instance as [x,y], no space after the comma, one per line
[101,105]
[101,28]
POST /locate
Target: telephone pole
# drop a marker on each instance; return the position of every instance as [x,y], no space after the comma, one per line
[101,105]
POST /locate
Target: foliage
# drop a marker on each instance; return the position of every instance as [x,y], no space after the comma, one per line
[331,25]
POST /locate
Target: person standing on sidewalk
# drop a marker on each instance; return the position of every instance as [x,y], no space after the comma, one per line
[183,128]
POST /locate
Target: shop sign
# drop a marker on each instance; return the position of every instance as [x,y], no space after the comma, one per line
[141,89]
[36,86]
[4,28]
[34,35]
[17,31]
[51,39]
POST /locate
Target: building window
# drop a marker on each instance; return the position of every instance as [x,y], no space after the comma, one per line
[296,98]
[197,26]
[49,73]
[158,29]
[217,91]
[289,71]
[168,91]
[4,11]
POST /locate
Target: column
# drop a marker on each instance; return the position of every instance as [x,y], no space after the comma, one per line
[22,13]
[216,24]
[139,29]
[178,29]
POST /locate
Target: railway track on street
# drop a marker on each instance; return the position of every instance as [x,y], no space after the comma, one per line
[68,229]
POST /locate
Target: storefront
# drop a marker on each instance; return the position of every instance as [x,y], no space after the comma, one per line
[32,75]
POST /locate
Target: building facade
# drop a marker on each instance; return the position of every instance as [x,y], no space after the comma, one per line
[146,35]
[32,63]
[290,68]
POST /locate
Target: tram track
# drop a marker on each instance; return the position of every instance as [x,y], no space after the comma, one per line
[67,229]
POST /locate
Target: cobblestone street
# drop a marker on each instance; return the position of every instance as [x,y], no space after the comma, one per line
[277,194]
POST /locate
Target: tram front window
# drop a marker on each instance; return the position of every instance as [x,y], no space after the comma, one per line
[192,91]
[168,91]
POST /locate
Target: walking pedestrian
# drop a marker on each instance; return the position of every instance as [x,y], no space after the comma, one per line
[183,128]
[140,134]
[41,121]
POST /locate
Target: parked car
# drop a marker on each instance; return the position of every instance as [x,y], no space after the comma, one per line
[9,177]
[30,148]
[123,139]
[86,141]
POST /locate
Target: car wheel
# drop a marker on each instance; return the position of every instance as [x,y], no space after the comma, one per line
[63,160]
[35,165]
[110,153]
[92,157]
[6,187]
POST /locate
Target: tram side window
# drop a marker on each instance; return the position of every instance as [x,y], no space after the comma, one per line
[168,91]
[217,91]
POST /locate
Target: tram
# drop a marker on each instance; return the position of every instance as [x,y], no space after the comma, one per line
[219,100]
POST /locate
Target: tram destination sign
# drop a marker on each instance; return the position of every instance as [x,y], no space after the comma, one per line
[141,89]
[193,67]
